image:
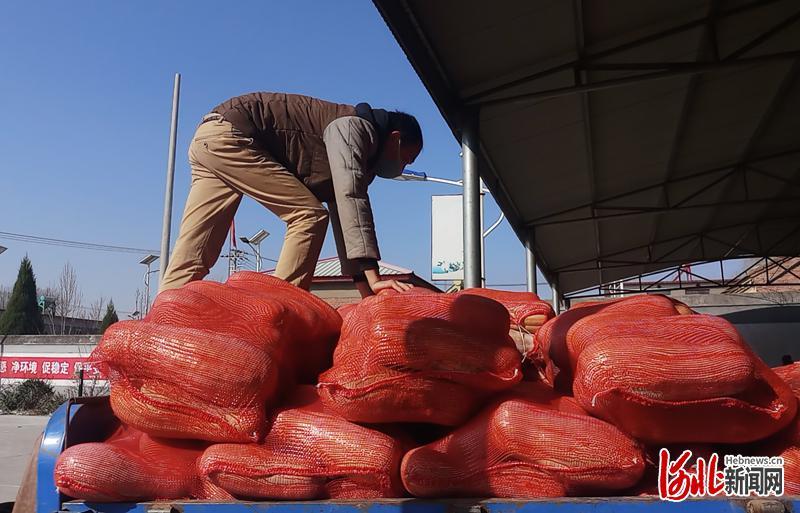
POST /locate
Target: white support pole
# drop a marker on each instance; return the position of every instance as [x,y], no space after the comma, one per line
[472,206]
[556,298]
[530,267]
[167,224]
[146,290]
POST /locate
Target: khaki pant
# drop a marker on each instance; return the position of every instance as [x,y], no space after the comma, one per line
[226,166]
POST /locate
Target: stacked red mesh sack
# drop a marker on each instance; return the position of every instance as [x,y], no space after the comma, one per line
[205,364]
[437,359]
[448,359]
[530,442]
[419,357]
[527,311]
[787,442]
[132,466]
[309,453]
[208,357]
[664,375]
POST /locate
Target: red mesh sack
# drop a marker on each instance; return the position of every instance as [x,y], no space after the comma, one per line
[786,443]
[420,358]
[550,344]
[187,383]
[519,448]
[308,454]
[543,396]
[675,379]
[344,310]
[791,470]
[790,374]
[208,357]
[261,309]
[526,309]
[130,466]
[648,485]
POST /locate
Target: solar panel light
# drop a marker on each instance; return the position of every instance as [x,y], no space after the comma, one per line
[149,259]
[259,236]
[412,176]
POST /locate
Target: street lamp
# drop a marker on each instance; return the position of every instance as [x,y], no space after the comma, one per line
[410,175]
[147,261]
[255,243]
[2,249]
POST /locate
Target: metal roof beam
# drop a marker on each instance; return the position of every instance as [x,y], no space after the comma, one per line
[683,118]
[639,211]
[581,77]
[783,239]
[680,237]
[781,93]
[762,38]
[477,97]
[703,67]
[624,264]
[791,182]
[639,190]
[780,264]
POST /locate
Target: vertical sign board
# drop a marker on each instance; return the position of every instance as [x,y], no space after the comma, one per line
[447,238]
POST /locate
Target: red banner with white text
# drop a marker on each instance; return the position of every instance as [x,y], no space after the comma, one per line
[46,367]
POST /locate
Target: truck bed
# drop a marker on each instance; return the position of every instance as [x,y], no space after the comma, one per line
[87,419]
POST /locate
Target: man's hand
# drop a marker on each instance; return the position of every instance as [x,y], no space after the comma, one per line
[399,286]
[376,284]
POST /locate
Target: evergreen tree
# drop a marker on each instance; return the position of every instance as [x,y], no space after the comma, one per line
[22,315]
[109,318]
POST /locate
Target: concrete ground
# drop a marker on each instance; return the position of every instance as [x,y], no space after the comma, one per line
[17,435]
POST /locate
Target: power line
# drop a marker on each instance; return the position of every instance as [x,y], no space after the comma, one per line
[74,244]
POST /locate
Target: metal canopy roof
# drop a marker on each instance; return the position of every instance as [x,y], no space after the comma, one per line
[623,136]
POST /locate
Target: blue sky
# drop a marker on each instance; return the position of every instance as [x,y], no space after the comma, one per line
[85,95]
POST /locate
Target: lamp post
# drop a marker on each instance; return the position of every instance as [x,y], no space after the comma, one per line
[147,261]
[417,176]
[173,136]
[255,243]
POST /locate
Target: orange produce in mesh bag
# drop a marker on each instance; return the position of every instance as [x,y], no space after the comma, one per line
[420,358]
[309,453]
[550,345]
[528,313]
[209,357]
[517,447]
[790,374]
[670,378]
[131,466]
[526,309]
[786,443]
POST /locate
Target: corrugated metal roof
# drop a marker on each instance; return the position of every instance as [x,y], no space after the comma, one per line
[623,137]
[331,268]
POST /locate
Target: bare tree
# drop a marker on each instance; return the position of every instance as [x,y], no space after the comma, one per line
[5,293]
[68,298]
[49,311]
[97,309]
[138,308]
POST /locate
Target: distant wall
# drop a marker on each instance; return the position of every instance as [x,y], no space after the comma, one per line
[56,359]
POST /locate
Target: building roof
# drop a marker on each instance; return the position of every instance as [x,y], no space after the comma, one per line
[623,137]
[330,270]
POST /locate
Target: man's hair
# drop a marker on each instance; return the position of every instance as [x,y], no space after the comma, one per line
[407,125]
